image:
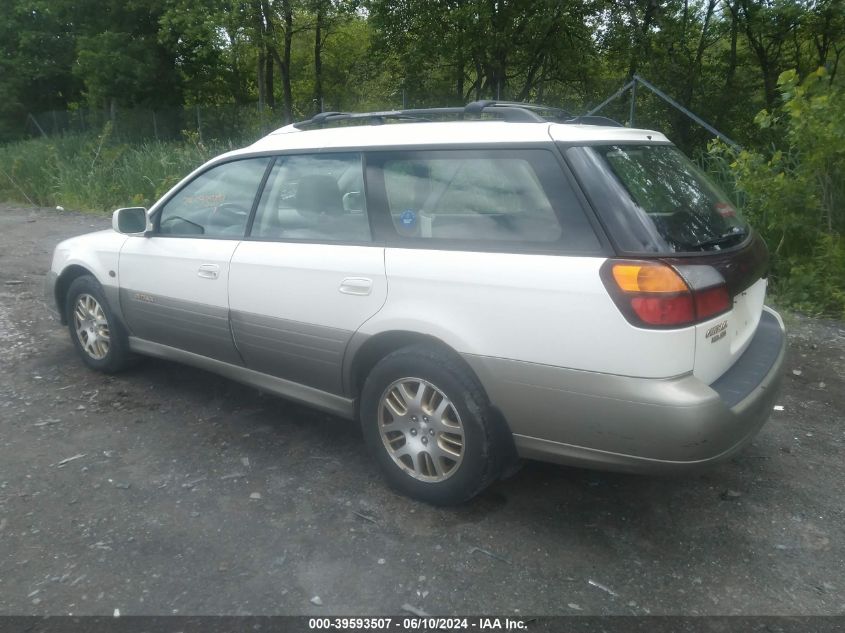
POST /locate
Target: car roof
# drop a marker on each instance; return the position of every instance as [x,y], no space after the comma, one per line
[448,133]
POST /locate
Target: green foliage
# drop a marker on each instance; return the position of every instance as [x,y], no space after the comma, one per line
[815,284]
[116,66]
[210,48]
[719,58]
[26,171]
[795,194]
[93,173]
[36,56]
[450,52]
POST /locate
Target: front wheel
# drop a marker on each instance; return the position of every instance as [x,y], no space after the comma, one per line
[96,333]
[425,419]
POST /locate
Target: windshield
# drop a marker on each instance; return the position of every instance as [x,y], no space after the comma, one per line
[687,211]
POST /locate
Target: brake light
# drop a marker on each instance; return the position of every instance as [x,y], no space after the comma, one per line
[711,302]
[654,294]
[664,310]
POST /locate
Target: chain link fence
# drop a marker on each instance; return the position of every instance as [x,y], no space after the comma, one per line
[244,123]
[208,122]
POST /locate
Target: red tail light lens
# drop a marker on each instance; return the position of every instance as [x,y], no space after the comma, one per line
[654,294]
[664,310]
[711,302]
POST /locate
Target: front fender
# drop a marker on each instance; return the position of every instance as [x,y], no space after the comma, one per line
[96,254]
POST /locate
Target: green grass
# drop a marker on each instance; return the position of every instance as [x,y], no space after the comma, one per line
[92,173]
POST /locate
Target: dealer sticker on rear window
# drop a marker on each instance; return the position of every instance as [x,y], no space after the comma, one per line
[717,332]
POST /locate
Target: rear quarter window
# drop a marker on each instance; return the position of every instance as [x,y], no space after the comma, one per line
[494,197]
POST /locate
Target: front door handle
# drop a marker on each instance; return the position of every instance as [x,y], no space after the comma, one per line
[356,286]
[209,271]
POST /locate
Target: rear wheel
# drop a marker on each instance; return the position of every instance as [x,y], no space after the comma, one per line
[96,333]
[425,420]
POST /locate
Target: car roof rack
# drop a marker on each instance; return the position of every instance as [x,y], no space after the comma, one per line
[544,112]
[511,111]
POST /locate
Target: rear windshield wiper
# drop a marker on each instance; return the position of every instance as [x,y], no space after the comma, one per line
[724,238]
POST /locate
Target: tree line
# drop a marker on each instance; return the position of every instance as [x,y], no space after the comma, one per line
[719,58]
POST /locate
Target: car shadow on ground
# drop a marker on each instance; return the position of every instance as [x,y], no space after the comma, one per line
[547,496]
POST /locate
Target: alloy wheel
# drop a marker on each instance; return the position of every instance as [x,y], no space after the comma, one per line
[92,327]
[421,429]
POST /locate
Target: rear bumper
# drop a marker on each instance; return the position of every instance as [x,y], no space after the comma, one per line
[635,424]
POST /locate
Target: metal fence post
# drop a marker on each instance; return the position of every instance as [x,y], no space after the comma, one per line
[614,96]
[40,129]
[633,102]
[681,108]
[632,85]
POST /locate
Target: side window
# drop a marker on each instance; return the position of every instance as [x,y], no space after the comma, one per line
[516,196]
[317,197]
[216,203]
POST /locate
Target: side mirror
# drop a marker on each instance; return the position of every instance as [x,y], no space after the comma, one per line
[130,221]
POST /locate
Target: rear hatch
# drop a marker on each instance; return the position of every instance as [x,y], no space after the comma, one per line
[720,341]
[658,207]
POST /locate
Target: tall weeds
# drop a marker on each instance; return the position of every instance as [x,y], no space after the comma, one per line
[94,173]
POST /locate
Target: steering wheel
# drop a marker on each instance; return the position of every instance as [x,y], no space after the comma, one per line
[228,214]
[167,223]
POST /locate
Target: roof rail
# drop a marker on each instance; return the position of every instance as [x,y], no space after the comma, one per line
[591,119]
[375,118]
[511,111]
[544,111]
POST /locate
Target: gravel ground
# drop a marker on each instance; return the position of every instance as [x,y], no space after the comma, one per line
[169,490]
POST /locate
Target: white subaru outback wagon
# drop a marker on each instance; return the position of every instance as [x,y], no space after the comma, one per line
[509,284]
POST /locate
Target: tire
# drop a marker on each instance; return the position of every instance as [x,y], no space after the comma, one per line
[98,336]
[461,460]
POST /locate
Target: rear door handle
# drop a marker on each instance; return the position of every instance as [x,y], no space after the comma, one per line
[209,271]
[356,286]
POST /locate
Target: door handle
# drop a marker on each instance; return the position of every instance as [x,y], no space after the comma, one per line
[356,286]
[209,271]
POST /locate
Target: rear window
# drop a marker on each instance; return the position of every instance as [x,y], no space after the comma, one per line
[673,197]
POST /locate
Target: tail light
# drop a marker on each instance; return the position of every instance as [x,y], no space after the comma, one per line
[655,295]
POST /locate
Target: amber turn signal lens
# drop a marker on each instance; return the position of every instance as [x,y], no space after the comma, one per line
[648,277]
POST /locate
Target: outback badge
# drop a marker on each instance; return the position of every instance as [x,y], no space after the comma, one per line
[717,332]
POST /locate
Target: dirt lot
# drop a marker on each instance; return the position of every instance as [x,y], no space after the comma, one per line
[190,494]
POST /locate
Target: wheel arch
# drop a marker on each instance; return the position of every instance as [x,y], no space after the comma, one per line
[365,351]
[63,282]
